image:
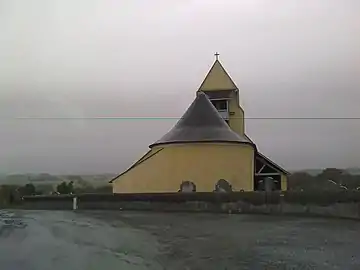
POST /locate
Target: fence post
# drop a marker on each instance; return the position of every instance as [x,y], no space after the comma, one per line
[75,204]
[281,202]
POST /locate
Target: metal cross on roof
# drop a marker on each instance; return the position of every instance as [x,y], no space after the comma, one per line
[217,55]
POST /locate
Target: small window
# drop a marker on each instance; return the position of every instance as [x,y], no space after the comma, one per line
[220,104]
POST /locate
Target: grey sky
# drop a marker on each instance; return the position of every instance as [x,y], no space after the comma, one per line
[84,58]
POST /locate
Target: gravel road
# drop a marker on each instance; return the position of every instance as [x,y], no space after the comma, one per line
[43,240]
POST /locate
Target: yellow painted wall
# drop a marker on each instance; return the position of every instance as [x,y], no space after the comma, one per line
[284,182]
[203,164]
[147,154]
[236,117]
[217,79]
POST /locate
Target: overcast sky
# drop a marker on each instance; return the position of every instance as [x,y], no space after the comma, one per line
[140,58]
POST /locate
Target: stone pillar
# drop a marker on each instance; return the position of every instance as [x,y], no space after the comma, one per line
[269,183]
[75,204]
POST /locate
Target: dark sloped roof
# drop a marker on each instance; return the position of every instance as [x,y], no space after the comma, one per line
[201,123]
[272,163]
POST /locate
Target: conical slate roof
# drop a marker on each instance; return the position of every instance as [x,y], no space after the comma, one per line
[201,123]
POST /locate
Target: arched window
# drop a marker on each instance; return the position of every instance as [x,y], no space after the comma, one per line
[187,186]
[223,186]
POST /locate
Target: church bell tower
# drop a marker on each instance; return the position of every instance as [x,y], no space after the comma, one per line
[224,95]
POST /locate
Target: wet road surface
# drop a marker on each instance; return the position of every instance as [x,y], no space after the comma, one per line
[43,240]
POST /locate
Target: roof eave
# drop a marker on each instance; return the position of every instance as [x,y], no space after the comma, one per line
[141,160]
[201,141]
[274,164]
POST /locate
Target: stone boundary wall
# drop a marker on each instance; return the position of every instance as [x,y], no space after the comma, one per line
[46,203]
[344,204]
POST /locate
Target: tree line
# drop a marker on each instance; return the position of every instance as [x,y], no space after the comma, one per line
[328,179]
[10,193]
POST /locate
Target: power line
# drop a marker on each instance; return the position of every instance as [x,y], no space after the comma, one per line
[175,118]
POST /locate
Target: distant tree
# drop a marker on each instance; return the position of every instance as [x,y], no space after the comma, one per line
[65,188]
[332,174]
[27,190]
[70,187]
[338,178]
[328,179]
[352,181]
[301,181]
[62,188]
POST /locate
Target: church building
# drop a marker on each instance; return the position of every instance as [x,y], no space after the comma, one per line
[207,150]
